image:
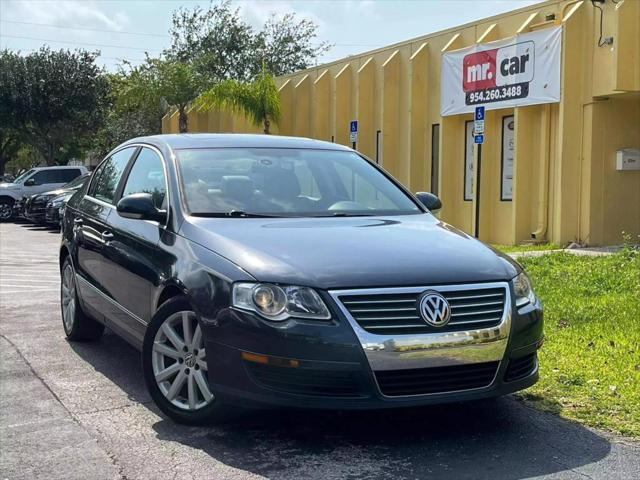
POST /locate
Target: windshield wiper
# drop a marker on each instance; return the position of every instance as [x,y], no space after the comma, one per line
[232,213]
[344,214]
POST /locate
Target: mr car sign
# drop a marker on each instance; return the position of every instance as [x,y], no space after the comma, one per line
[522,70]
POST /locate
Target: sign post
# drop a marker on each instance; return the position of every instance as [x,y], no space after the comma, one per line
[478,139]
[353,133]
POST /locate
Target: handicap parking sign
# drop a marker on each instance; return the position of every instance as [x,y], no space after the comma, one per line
[353,131]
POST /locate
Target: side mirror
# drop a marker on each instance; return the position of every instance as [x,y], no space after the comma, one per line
[140,206]
[429,200]
[30,183]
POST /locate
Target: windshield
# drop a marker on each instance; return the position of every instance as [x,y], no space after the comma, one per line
[76,182]
[286,182]
[23,176]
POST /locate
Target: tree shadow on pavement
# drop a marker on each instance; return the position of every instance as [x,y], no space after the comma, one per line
[500,438]
[496,438]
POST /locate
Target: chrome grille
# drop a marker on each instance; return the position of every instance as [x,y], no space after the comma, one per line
[397,313]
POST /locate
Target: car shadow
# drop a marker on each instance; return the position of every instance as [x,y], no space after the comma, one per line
[500,438]
[37,227]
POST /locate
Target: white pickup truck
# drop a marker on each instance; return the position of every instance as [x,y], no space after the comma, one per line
[35,180]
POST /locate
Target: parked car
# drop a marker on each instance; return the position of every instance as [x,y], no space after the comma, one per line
[36,205]
[55,209]
[33,181]
[276,271]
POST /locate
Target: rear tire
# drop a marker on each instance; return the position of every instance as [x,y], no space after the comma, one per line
[174,364]
[6,209]
[78,327]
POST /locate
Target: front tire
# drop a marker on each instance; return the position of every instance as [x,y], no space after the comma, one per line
[174,364]
[6,210]
[77,325]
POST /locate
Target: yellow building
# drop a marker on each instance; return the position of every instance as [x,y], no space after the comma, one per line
[565,185]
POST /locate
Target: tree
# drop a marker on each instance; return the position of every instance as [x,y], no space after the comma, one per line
[221,45]
[258,100]
[160,83]
[124,118]
[64,95]
[216,41]
[23,159]
[285,44]
[13,106]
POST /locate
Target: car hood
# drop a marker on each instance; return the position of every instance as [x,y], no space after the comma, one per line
[9,185]
[331,253]
[55,193]
[66,195]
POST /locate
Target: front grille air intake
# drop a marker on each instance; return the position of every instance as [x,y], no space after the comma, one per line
[301,381]
[397,313]
[424,381]
[520,367]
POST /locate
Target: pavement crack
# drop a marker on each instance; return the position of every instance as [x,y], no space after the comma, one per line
[120,408]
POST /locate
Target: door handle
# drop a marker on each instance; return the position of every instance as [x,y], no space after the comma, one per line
[106,236]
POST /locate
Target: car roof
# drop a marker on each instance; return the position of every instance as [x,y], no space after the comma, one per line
[231,140]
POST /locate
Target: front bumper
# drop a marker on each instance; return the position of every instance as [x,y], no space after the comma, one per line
[327,366]
[34,210]
[52,215]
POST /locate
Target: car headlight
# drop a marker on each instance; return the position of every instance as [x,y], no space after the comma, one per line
[279,303]
[523,290]
[57,203]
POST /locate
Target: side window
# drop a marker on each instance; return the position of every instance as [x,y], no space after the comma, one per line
[43,177]
[107,177]
[67,174]
[147,176]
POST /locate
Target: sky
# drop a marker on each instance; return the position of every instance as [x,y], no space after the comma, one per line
[126,29]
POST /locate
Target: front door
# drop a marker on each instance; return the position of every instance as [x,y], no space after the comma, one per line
[41,181]
[91,231]
[131,256]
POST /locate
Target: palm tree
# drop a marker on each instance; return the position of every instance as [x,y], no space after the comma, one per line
[258,100]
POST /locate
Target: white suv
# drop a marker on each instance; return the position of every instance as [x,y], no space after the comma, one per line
[35,180]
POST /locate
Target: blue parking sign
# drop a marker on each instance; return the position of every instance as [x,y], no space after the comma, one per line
[479,113]
[353,131]
[479,139]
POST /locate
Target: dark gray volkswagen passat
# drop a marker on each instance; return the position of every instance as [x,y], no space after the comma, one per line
[264,270]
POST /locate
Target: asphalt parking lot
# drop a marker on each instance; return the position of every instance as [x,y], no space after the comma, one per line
[81,411]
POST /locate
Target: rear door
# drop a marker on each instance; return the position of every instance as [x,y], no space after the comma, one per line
[65,175]
[132,258]
[91,233]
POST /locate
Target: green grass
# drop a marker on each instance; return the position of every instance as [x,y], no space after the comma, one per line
[590,362]
[526,248]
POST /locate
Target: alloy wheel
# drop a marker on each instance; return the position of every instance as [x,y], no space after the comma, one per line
[68,297]
[179,362]
[6,211]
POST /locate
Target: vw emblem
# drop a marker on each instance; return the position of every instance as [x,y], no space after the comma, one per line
[434,309]
[190,360]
